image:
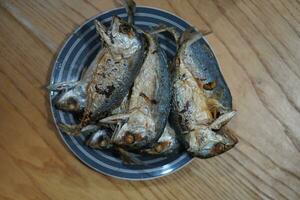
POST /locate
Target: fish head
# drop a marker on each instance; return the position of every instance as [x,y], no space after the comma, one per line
[163,147]
[137,132]
[70,101]
[100,139]
[121,37]
[205,143]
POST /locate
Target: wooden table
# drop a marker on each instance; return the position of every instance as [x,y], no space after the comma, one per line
[257,43]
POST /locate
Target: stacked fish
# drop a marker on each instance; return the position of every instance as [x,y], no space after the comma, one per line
[132,101]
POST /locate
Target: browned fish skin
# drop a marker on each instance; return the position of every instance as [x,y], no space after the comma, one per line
[197,109]
[148,108]
[123,54]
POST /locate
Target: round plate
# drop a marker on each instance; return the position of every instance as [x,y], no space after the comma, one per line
[79,51]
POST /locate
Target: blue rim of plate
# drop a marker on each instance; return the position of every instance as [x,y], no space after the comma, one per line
[78,51]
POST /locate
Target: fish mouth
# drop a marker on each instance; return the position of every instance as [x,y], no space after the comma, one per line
[103,32]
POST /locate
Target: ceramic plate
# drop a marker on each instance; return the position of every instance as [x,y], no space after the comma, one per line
[79,51]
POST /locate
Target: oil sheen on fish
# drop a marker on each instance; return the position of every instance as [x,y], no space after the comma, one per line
[201,102]
[149,102]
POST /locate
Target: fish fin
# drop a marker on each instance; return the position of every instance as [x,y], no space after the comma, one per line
[190,34]
[116,130]
[89,129]
[129,158]
[163,28]
[222,120]
[70,129]
[114,119]
[62,86]
[102,31]
[130,7]
[212,143]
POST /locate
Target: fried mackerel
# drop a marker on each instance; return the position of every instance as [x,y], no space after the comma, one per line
[201,103]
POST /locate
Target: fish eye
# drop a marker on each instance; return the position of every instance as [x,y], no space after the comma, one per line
[210,85]
[125,28]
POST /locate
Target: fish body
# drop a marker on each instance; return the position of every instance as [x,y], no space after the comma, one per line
[117,68]
[118,65]
[198,108]
[195,54]
[149,103]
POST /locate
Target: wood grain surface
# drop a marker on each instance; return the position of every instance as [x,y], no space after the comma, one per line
[257,44]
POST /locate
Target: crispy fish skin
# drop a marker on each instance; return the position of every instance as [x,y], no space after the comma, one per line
[121,59]
[198,58]
[149,103]
[117,68]
[196,103]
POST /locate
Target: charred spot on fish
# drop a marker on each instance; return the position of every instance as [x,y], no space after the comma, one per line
[98,88]
[117,62]
[152,101]
[182,77]
[210,85]
[186,107]
[109,61]
[218,114]
[153,52]
[180,119]
[114,69]
[106,91]
[110,89]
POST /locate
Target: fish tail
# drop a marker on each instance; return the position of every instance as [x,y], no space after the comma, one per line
[164,28]
[130,7]
[70,129]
